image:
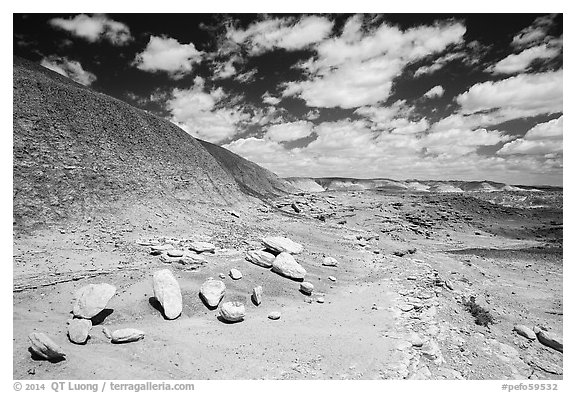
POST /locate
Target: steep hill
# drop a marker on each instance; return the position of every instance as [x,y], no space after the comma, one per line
[78,152]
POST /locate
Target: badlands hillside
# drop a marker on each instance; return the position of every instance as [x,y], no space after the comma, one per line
[140,252]
[78,153]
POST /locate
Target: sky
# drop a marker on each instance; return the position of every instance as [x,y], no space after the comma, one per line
[401,96]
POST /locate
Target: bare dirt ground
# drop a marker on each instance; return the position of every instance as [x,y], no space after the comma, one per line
[390,314]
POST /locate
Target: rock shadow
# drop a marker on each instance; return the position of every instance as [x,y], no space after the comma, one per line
[209,307]
[37,357]
[156,305]
[290,278]
[101,316]
[219,317]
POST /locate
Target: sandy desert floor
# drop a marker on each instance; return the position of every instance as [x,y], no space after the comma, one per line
[390,314]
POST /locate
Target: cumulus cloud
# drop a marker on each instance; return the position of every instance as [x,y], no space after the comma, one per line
[286,132]
[519,62]
[542,139]
[94,28]
[269,99]
[200,113]
[351,148]
[537,32]
[436,91]
[523,95]
[285,33]
[69,68]
[438,63]
[225,70]
[168,55]
[358,68]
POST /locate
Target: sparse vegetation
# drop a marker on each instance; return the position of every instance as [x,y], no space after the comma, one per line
[481,315]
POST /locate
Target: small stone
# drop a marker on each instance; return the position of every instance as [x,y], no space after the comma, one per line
[412,278]
[212,292]
[449,284]
[282,244]
[232,311]
[126,335]
[235,274]
[525,331]
[167,292]
[257,295]
[274,315]
[44,347]
[106,332]
[78,330]
[175,253]
[332,278]
[550,340]
[92,299]
[329,261]
[202,247]
[425,295]
[161,247]
[260,258]
[320,300]
[307,288]
[416,340]
[406,307]
[222,276]
[286,265]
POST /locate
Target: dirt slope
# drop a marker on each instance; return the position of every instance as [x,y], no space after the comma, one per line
[78,153]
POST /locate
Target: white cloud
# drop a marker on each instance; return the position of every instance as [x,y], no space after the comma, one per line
[405,126]
[247,76]
[550,129]
[523,95]
[351,148]
[270,100]
[519,62]
[436,91]
[542,139]
[168,55]
[289,131]
[196,111]
[94,28]
[225,70]
[69,68]
[287,33]
[358,69]
[535,33]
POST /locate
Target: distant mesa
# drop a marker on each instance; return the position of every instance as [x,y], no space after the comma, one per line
[310,184]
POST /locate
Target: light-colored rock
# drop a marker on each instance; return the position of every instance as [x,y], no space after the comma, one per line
[449,284]
[332,278]
[286,265]
[92,298]
[320,300]
[432,351]
[274,315]
[107,333]
[235,274]
[167,292]
[550,340]
[329,261]
[306,288]
[212,292]
[232,311]
[525,331]
[282,244]
[78,330]
[175,253]
[260,258]
[416,340]
[126,335]
[202,247]
[44,347]
[222,275]
[406,307]
[257,295]
[162,247]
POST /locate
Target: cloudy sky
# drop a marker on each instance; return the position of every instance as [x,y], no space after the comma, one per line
[402,96]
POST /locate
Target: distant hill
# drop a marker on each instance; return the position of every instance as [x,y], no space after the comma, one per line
[77,152]
[343,183]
